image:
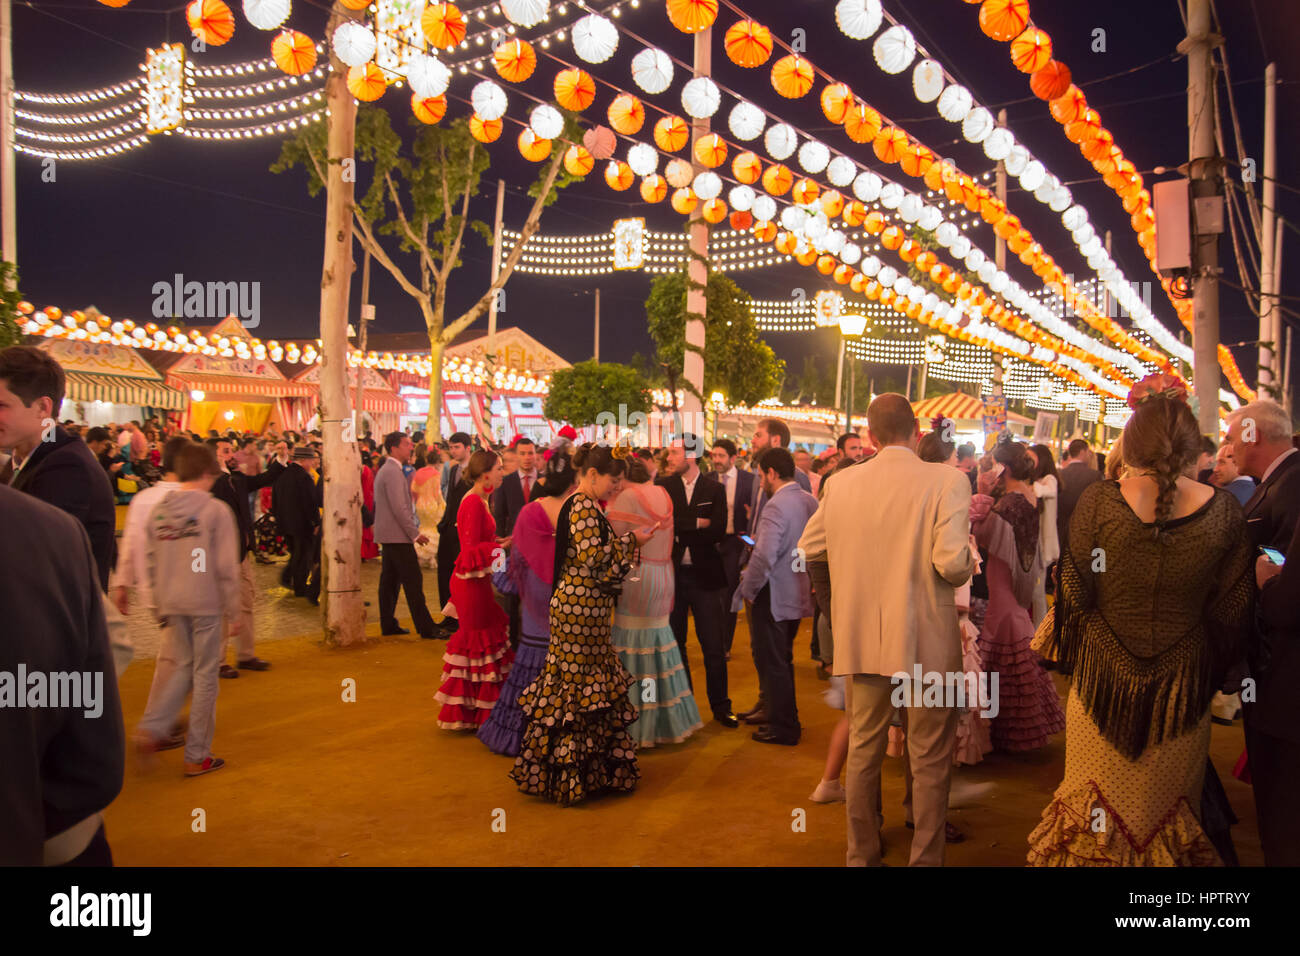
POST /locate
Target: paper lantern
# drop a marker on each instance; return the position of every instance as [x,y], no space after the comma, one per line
[546,121]
[488,100]
[1031,51]
[484,130]
[574,89]
[532,147]
[785,243]
[600,142]
[805,255]
[701,98]
[813,156]
[916,160]
[777,179]
[525,13]
[211,21]
[443,25]
[741,198]
[955,103]
[429,109]
[746,120]
[891,194]
[115,4]
[643,159]
[1004,19]
[1069,106]
[826,265]
[836,99]
[679,173]
[266,14]
[748,43]
[998,144]
[740,221]
[747,167]
[1017,160]
[977,125]
[764,208]
[927,81]
[595,38]
[514,61]
[652,70]
[293,52]
[707,185]
[684,201]
[855,213]
[577,161]
[805,191]
[626,114]
[792,76]
[1051,81]
[832,202]
[366,82]
[895,49]
[692,16]
[780,140]
[841,170]
[858,19]
[1033,176]
[618,175]
[867,186]
[671,133]
[714,211]
[861,123]
[1084,128]
[889,144]
[428,75]
[710,151]
[355,4]
[764,229]
[653,189]
[353,43]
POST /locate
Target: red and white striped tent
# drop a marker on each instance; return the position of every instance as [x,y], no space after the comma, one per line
[958,407]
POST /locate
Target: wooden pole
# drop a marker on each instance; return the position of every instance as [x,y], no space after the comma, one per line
[8,191]
[696,268]
[596,343]
[1269,322]
[496,268]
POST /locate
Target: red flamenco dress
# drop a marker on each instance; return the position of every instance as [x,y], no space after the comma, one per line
[478,656]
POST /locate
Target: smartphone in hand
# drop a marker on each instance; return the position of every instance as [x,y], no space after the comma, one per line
[1274,555]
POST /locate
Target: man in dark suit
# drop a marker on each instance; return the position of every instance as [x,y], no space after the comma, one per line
[699,524]
[507,501]
[738,485]
[449,549]
[1076,474]
[1260,436]
[296,503]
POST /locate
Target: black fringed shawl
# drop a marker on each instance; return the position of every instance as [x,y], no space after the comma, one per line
[1147,619]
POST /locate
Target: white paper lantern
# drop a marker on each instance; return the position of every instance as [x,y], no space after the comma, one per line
[851,253]
[998,284]
[927,81]
[764,207]
[354,43]
[780,140]
[525,13]
[891,195]
[813,156]
[1074,217]
[266,14]
[1060,199]
[1046,189]
[817,225]
[643,159]
[914,294]
[652,69]
[840,171]
[546,121]
[997,145]
[909,210]
[701,98]
[960,247]
[1083,233]
[867,186]
[986,271]
[887,276]
[1017,160]
[895,49]
[746,120]
[833,242]
[930,218]
[955,103]
[871,266]
[858,19]
[741,198]
[977,125]
[594,38]
[489,100]
[1033,175]
[902,285]
[707,185]
[946,234]
[428,76]
[794,218]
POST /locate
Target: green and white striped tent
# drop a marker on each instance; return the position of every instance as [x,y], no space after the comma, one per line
[97,372]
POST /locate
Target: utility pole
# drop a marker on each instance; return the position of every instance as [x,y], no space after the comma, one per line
[1203,172]
[697,272]
[1269,326]
[596,345]
[8,191]
[496,270]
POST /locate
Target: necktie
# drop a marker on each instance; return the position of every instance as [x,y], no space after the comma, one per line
[528,483]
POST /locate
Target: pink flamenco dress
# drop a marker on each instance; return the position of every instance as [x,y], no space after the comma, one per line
[973,739]
[478,655]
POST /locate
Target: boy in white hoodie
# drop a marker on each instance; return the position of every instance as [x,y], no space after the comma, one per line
[193,579]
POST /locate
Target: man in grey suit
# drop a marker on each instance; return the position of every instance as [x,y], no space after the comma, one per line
[398,533]
[775,584]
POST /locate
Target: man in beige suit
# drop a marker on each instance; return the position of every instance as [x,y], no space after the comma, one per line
[896,531]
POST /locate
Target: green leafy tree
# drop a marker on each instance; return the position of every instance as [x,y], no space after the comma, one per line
[419,192]
[737,362]
[581,394]
[10,318]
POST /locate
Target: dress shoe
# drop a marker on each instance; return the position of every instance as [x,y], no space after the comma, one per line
[765,736]
[757,718]
[727,720]
[756,709]
[254,664]
[950,833]
[228,672]
[395,630]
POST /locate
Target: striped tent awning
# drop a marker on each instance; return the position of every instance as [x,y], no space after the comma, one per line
[239,386]
[952,405]
[390,403]
[122,390]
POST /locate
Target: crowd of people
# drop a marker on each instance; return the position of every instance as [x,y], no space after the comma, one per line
[945,589]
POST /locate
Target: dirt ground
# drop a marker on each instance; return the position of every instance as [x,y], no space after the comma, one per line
[313,780]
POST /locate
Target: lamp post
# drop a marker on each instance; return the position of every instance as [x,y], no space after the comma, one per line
[851,326]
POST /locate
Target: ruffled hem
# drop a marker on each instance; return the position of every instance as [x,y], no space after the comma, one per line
[1065,837]
[578,759]
[1029,709]
[504,729]
[973,739]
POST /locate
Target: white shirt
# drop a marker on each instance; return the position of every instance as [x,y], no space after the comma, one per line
[531,477]
[131,556]
[689,485]
[1276,461]
[729,482]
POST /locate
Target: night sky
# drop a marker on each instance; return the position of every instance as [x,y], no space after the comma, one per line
[105,231]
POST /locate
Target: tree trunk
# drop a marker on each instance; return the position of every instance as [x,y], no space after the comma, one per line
[341,525]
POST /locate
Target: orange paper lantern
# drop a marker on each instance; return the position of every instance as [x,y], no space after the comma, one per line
[443,25]
[1069,106]
[874,223]
[366,82]
[1031,51]
[747,167]
[514,61]
[485,131]
[692,16]
[114,3]
[916,160]
[574,89]
[832,202]
[714,211]
[826,265]
[211,21]
[577,161]
[679,173]
[792,76]
[892,238]
[684,200]
[837,98]
[1098,147]
[1087,126]
[626,114]
[807,257]
[710,151]
[842,274]
[356,4]
[429,110]
[763,231]
[777,179]
[532,147]
[740,221]
[618,175]
[671,133]
[909,250]
[1051,81]
[805,191]
[748,43]
[653,188]
[861,123]
[293,52]
[889,144]
[785,243]
[855,213]
[1004,19]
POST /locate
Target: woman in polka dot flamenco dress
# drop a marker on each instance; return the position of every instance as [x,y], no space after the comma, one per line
[478,656]
[576,714]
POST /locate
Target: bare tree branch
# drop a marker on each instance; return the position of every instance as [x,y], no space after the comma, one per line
[371,245]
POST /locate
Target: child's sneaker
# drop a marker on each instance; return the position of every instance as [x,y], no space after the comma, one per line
[199,769]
